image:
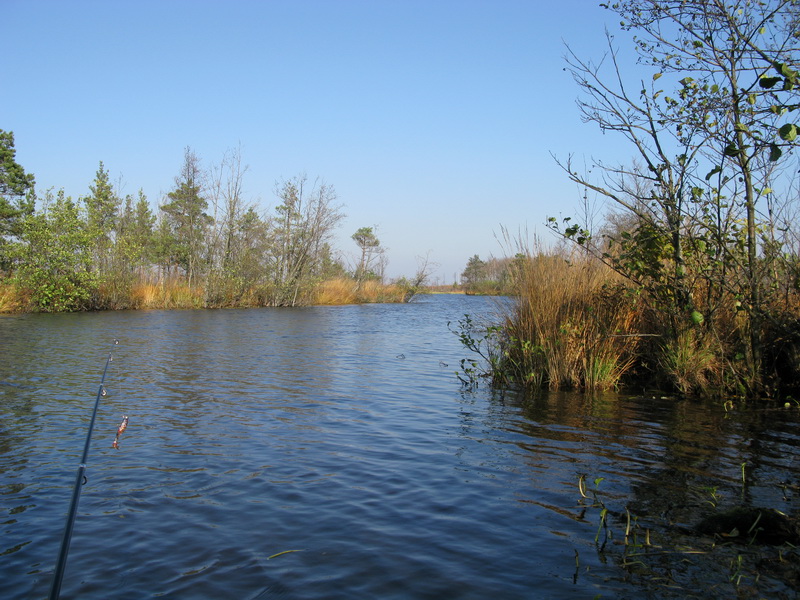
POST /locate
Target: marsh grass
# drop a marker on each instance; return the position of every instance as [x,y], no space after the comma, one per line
[344,290]
[169,293]
[573,326]
[691,362]
[147,292]
[11,298]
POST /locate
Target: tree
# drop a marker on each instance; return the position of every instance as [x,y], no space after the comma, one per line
[102,206]
[371,252]
[185,221]
[728,50]
[303,225]
[238,233]
[131,252]
[474,273]
[16,196]
[55,257]
[706,155]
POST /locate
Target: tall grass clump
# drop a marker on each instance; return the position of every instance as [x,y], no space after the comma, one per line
[573,325]
[167,293]
[11,298]
[336,291]
[345,290]
[690,362]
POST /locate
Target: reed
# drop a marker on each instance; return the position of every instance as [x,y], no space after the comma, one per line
[691,362]
[573,326]
[336,291]
[343,290]
[12,299]
[169,293]
[375,291]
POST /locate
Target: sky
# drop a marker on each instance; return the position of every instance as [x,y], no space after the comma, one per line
[435,121]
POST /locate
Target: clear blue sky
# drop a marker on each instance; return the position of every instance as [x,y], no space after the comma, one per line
[434,120]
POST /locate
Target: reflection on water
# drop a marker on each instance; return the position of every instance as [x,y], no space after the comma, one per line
[330,453]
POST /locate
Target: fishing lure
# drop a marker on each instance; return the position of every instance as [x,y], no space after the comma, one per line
[120,430]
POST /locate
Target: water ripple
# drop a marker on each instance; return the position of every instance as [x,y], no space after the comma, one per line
[290,453]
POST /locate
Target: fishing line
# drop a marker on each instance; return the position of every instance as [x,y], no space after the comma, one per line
[80,479]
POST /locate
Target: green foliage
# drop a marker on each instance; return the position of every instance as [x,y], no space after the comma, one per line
[16,197]
[483,341]
[185,222]
[700,230]
[101,208]
[55,263]
[107,252]
[371,250]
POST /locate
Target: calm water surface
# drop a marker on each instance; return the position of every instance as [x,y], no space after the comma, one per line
[330,452]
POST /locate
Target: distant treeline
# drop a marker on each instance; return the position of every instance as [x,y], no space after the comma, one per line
[205,246]
[493,276]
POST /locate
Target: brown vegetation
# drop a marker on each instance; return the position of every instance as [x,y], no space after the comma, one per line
[579,324]
[575,324]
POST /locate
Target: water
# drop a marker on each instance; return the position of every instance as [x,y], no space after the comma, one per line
[330,452]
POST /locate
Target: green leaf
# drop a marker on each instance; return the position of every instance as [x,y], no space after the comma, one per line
[656,76]
[785,70]
[713,172]
[732,150]
[697,317]
[788,132]
[769,82]
[774,152]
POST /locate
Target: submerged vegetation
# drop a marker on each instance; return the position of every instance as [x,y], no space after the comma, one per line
[205,246]
[693,280]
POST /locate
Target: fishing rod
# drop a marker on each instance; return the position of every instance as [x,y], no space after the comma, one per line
[80,480]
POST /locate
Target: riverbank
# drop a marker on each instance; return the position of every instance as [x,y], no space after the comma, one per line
[177,294]
[578,324]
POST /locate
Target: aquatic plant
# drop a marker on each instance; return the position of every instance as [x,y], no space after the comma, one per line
[715,544]
[572,326]
[690,362]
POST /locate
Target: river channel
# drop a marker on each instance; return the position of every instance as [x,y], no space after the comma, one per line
[331,452]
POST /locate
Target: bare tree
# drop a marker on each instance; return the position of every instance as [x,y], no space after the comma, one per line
[705,152]
[372,254]
[303,226]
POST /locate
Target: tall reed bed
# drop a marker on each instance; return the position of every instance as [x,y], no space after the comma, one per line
[574,325]
[169,293]
[11,298]
[349,291]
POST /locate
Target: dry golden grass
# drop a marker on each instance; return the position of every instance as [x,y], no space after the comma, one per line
[166,294]
[336,291]
[12,299]
[573,326]
[347,291]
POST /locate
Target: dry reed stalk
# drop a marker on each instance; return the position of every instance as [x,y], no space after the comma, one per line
[335,292]
[375,291]
[571,325]
[12,299]
[143,295]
